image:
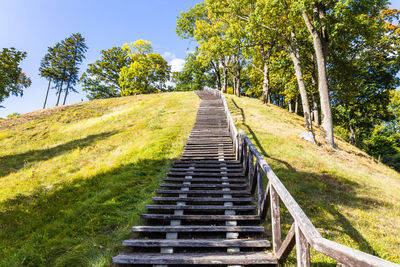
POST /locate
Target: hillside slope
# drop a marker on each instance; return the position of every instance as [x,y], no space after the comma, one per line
[349,197]
[74,179]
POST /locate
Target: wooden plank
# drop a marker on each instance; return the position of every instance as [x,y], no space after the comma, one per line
[197,228]
[203,192]
[206,185]
[229,174]
[196,258]
[205,199]
[229,170]
[275,220]
[260,188]
[302,248]
[201,217]
[287,245]
[253,243]
[200,207]
[231,180]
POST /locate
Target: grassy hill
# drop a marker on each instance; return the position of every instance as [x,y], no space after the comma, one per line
[348,196]
[74,179]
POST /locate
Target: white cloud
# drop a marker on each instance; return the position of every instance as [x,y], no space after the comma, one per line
[176,63]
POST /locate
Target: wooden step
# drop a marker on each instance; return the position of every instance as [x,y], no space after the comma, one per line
[231,180]
[254,243]
[201,217]
[205,185]
[231,162]
[200,207]
[229,170]
[196,258]
[204,199]
[203,192]
[214,174]
[196,228]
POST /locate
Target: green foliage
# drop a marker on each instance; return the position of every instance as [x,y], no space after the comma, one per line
[147,72]
[13,115]
[194,76]
[12,80]
[101,79]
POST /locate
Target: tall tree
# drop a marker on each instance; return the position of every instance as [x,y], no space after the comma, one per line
[12,80]
[75,48]
[148,71]
[50,67]
[101,79]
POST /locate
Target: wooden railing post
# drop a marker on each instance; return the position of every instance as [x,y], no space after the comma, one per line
[251,166]
[275,219]
[302,249]
[260,188]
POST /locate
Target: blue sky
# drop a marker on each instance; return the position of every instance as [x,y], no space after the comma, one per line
[32,26]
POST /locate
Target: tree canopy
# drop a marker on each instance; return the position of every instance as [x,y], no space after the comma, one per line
[147,72]
[12,80]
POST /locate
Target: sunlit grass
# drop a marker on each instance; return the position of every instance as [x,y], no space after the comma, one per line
[348,196]
[73,180]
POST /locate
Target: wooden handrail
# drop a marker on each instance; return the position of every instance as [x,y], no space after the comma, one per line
[302,233]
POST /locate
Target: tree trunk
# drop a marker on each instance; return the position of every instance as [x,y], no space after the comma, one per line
[315,109]
[290,105]
[302,89]
[352,135]
[265,83]
[217,74]
[60,90]
[225,79]
[296,106]
[47,94]
[66,92]
[238,82]
[320,48]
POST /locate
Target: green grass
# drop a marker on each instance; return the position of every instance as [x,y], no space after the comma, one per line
[74,179]
[348,196]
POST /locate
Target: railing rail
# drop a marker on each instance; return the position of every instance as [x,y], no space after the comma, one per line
[302,233]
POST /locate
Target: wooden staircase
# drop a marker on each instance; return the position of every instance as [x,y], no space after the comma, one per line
[204,213]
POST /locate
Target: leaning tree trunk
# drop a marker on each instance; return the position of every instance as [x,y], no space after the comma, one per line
[60,90]
[66,92]
[320,48]
[302,89]
[47,94]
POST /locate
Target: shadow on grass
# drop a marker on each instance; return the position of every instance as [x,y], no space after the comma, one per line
[13,163]
[80,223]
[254,137]
[319,195]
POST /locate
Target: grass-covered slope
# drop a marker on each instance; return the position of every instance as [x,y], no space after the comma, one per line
[73,180]
[349,197]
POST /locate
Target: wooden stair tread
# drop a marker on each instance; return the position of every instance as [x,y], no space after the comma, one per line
[201,217]
[256,243]
[200,207]
[205,199]
[197,228]
[205,185]
[206,192]
[195,258]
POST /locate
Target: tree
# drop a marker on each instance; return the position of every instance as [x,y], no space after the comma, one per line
[12,80]
[194,75]
[74,48]
[50,67]
[101,79]
[148,71]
